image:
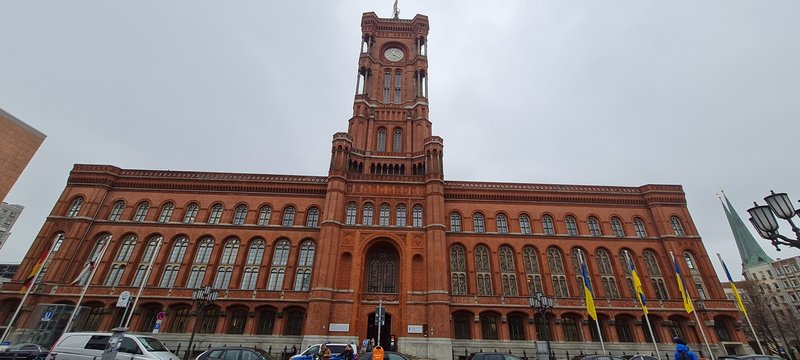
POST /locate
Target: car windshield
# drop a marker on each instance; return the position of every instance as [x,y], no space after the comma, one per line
[152,344]
[336,349]
[263,353]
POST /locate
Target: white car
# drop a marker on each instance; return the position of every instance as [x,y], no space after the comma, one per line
[313,350]
[90,346]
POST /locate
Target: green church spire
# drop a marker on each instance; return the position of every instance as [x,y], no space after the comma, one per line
[752,254]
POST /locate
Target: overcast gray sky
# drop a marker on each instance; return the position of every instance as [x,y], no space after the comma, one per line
[699,93]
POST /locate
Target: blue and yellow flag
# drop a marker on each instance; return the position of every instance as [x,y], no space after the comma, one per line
[587,289]
[687,302]
[637,284]
[738,298]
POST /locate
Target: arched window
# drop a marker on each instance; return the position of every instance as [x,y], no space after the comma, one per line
[397,141]
[95,257]
[654,273]
[458,270]
[606,273]
[381,139]
[489,326]
[237,322]
[477,223]
[176,256]
[455,222]
[532,271]
[524,224]
[547,225]
[351,214]
[198,273]
[266,321]
[382,269]
[401,215]
[570,327]
[463,325]
[398,83]
[508,271]
[166,212]
[367,218]
[417,215]
[118,266]
[676,225]
[484,270]
[182,316]
[116,212]
[516,326]
[240,214]
[191,214]
[695,278]
[576,255]
[624,255]
[594,226]
[616,227]
[572,225]
[216,214]
[288,216]
[383,216]
[225,270]
[556,265]
[263,215]
[294,322]
[638,225]
[502,224]
[254,256]
[144,262]
[75,207]
[279,259]
[141,211]
[312,218]
[624,329]
[387,86]
[302,280]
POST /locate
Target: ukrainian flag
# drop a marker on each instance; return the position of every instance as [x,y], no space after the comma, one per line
[587,289]
[739,302]
[637,284]
[687,302]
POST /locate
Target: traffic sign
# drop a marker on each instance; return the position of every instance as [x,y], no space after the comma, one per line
[123,299]
[48,315]
[161,315]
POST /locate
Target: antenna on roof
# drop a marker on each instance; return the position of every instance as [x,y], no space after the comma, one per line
[395,10]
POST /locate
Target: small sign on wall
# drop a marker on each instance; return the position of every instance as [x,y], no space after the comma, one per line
[415,329]
[339,327]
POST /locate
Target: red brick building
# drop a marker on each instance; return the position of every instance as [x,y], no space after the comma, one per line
[19,142]
[304,259]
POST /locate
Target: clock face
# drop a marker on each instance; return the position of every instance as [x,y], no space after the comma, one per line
[393,54]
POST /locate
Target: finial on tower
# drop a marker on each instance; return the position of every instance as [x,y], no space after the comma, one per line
[395,10]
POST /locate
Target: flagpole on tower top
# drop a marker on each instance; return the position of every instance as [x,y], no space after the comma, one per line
[395,10]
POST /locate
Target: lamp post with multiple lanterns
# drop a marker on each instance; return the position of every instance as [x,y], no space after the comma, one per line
[203,297]
[541,303]
[763,219]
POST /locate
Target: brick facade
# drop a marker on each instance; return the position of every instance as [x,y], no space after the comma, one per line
[449,284]
[19,143]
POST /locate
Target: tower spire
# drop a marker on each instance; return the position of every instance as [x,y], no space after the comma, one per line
[751,253]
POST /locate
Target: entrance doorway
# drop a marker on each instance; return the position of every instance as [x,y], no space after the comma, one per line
[372,330]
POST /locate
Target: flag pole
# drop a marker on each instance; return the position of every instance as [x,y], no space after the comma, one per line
[596,320]
[646,313]
[696,317]
[27,292]
[739,303]
[144,281]
[106,243]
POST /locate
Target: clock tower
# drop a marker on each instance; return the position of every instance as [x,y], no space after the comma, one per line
[388,165]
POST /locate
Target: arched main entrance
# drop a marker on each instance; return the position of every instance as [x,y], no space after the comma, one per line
[381,282]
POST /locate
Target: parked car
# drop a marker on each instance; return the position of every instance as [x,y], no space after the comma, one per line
[90,346]
[759,357]
[234,353]
[596,357]
[311,351]
[24,351]
[492,356]
[387,355]
[639,357]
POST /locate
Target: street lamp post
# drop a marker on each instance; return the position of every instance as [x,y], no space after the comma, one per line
[541,303]
[763,219]
[203,297]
